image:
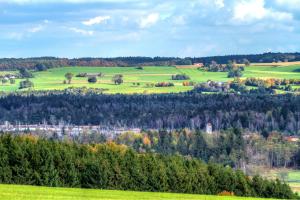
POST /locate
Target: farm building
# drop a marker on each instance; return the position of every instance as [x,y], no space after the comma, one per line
[199,64]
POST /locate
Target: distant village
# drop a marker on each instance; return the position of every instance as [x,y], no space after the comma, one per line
[62,130]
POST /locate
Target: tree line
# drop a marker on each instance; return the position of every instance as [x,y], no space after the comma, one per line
[43,63]
[34,161]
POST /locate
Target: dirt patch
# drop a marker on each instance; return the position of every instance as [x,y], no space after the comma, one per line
[187,67]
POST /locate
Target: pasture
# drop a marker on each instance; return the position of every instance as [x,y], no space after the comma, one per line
[53,78]
[18,192]
[291,177]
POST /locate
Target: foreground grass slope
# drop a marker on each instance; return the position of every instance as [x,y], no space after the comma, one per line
[19,192]
[53,78]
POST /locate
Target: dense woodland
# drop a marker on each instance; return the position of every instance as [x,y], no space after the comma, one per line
[232,147]
[43,63]
[29,160]
[251,112]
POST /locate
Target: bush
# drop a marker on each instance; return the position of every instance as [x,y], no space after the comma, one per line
[235,73]
[226,193]
[12,81]
[180,77]
[4,81]
[117,79]
[26,84]
[24,73]
[164,84]
[188,83]
[92,79]
[82,75]
[41,67]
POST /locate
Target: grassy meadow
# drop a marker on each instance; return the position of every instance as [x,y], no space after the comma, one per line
[292,177]
[53,78]
[18,192]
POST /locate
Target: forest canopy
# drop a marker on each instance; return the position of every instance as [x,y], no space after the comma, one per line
[253,112]
[30,160]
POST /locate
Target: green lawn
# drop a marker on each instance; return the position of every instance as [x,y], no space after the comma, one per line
[53,78]
[17,192]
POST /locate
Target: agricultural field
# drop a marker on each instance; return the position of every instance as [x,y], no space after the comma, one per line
[18,192]
[291,177]
[53,78]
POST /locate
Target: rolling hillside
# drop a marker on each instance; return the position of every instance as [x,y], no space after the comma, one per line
[139,80]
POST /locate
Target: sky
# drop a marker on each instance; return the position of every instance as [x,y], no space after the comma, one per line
[181,28]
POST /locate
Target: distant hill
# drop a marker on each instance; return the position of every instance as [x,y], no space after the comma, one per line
[50,62]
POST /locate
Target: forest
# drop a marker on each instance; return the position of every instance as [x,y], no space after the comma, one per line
[236,148]
[34,161]
[51,62]
[252,112]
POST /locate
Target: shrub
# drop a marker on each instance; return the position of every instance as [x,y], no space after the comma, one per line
[235,73]
[4,81]
[226,193]
[26,84]
[188,83]
[180,77]
[164,84]
[12,81]
[117,79]
[41,67]
[24,73]
[81,75]
[92,79]
[140,67]
[69,77]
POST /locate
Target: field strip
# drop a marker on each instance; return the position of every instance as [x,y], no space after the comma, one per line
[22,192]
[276,64]
[272,72]
[135,74]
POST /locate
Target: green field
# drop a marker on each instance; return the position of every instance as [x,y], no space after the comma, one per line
[291,177]
[53,78]
[17,192]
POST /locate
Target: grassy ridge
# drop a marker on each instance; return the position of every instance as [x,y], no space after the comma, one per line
[19,192]
[53,78]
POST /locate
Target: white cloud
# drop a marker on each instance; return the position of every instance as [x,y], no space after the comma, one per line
[149,20]
[96,20]
[207,3]
[26,33]
[35,29]
[251,10]
[39,27]
[82,31]
[220,3]
[60,1]
[15,36]
[179,20]
[292,4]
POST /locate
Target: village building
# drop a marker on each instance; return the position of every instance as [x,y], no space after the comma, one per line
[209,128]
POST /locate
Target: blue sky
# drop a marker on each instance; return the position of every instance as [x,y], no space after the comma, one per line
[109,28]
